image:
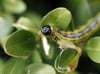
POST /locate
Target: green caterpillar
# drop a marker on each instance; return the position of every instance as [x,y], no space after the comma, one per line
[68,39]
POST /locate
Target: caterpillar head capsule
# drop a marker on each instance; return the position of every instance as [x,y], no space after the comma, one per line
[46,30]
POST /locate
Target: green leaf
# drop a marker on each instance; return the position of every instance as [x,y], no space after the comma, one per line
[73,72]
[67,60]
[93,49]
[36,57]
[5,27]
[94,5]
[24,23]
[14,66]
[35,18]
[38,68]
[81,11]
[20,44]
[1,65]
[30,21]
[59,17]
[14,6]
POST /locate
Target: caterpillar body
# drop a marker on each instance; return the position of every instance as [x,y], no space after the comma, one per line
[75,36]
[83,32]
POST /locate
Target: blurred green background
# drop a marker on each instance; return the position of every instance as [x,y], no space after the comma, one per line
[82,10]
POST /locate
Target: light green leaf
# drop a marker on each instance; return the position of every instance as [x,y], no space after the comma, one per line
[14,66]
[35,18]
[30,21]
[67,60]
[5,27]
[93,49]
[24,23]
[20,44]
[59,17]
[40,69]
[14,6]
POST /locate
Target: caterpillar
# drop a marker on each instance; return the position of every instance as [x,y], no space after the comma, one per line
[75,36]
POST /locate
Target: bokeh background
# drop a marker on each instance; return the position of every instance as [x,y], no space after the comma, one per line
[81,10]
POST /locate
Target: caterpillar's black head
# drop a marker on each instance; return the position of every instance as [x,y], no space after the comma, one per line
[46,30]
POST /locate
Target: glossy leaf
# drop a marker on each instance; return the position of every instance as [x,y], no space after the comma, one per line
[24,23]
[14,6]
[67,60]
[5,27]
[93,49]
[30,21]
[59,17]
[14,66]
[20,44]
[39,68]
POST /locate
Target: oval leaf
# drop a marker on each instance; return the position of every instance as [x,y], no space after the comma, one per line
[59,17]
[67,60]
[20,44]
[93,49]
[5,27]
[39,68]
[24,23]
[14,6]
[14,66]
[35,18]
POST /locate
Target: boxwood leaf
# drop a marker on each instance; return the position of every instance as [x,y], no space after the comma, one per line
[14,66]
[24,23]
[5,27]
[81,11]
[39,68]
[93,49]
[36,57]
[35,18]
[67,60]
[20,44]
[14,6]
[59,17]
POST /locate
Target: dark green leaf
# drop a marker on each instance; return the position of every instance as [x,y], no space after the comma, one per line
[94,5]
[36,58]
[81,11]
[20,44]
[14,66]
[1,65]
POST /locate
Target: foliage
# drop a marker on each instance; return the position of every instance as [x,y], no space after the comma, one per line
[29,52]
